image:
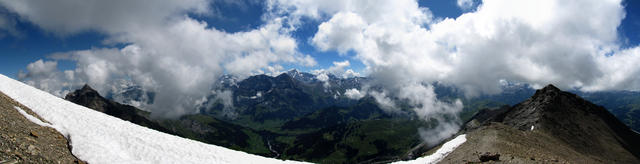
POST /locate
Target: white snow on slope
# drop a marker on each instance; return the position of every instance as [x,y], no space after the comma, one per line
[440,153]
[32,118]
[99,138]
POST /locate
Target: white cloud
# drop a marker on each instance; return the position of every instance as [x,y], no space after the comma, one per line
[323,77]
[572,44]
[384,101]
[65,17]
[342,33]
[338,69]
[226,97]
[44,75]
[353,93]
[560,42]
[181,62]
[350,73]
[465,4]
[166,51]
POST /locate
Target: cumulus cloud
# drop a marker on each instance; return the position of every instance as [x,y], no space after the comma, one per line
[338,69]
[181,62]
[353,93]
[465,4]
[45,75]
[572,44]
[342,33]
[350,73]
[568,43]
[165,51]
[324,78]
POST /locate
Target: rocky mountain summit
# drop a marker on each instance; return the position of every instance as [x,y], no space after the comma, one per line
[90,98]
[551,126]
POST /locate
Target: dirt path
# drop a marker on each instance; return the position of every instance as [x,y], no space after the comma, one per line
[22,141]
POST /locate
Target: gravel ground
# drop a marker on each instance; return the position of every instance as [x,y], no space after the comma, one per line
[22,141]
[514,146]
[551,127]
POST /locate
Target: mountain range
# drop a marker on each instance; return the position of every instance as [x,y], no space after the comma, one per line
[298,88]
[296,115]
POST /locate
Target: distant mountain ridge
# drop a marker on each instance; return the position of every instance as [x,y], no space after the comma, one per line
[625,105]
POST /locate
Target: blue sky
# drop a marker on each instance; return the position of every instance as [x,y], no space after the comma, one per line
[35,43]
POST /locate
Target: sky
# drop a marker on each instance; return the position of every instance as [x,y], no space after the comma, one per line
[179,48]
[25,42]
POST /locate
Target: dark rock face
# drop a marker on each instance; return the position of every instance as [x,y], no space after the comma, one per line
[90,98]
[580,125]
[489,157]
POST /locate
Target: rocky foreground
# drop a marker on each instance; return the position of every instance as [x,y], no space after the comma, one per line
[22,141]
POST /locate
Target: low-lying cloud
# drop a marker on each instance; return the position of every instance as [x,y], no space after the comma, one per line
[353,93]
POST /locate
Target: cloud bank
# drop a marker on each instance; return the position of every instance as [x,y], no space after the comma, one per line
[165,50]
[568,43]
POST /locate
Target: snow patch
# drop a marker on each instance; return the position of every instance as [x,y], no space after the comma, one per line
[322,77]
[258,95]
[440,153]
[325,79]
[32,118]
[100,138]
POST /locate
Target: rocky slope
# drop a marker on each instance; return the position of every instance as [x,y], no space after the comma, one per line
[552,126]
[22,141]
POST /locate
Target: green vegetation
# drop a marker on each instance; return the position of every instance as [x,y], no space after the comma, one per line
[355,142]
[360,133]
